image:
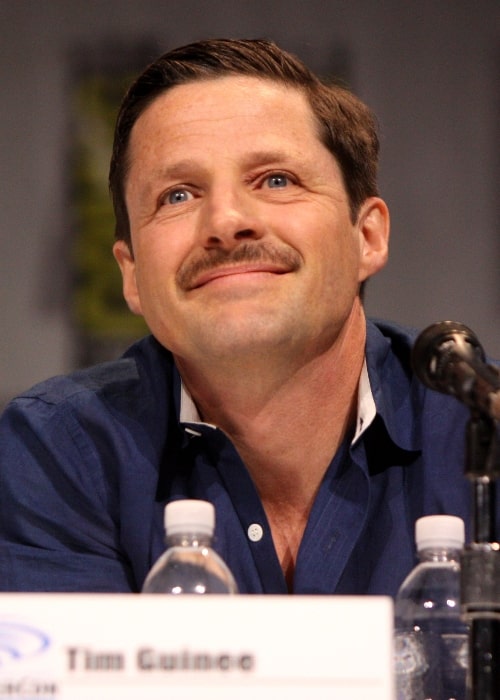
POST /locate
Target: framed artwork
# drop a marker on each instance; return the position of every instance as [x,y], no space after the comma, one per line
[103,324]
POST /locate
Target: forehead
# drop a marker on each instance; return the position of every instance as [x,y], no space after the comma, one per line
[226,104]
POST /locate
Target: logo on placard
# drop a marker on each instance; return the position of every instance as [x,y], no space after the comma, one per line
[19,641]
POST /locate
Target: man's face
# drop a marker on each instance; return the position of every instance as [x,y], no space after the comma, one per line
[240,226]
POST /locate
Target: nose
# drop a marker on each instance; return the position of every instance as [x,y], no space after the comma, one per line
[230,216]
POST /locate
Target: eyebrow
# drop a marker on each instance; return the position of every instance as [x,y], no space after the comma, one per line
[183,169]
[271,156]
[179,170]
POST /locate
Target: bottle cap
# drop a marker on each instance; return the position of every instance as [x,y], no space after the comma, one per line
[439,531]
[189,515]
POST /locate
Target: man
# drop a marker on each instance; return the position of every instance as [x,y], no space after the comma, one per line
[248,219]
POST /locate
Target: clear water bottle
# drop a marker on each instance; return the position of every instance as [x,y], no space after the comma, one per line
[431,639]
[189,565]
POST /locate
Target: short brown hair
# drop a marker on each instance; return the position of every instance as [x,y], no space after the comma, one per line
[347,127]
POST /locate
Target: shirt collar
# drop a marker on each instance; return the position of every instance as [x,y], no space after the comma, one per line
[384,390]
[366,404]
[189,416]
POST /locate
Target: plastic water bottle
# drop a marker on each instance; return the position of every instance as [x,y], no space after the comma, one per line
[431,639]
[189,565]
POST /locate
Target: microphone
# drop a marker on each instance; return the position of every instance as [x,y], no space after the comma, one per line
[448,357]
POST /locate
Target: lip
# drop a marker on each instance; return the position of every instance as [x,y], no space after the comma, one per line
[236,270]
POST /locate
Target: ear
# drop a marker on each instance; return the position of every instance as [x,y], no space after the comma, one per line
[373,228]
[125,259]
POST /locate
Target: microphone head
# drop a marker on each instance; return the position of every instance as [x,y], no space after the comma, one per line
[439,345]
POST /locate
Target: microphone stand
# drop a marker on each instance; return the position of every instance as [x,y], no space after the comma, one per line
[480,562]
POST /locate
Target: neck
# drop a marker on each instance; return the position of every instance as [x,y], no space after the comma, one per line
[287,421]
[275,409]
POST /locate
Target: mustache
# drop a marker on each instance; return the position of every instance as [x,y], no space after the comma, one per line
[288,258]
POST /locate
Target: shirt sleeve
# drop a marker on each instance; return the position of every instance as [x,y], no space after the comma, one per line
[59,519]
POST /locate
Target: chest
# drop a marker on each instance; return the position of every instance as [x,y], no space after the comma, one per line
[287,530]
[354,541]
[347,548]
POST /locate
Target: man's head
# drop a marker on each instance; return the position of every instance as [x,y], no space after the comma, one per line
[246,222]
[345,125]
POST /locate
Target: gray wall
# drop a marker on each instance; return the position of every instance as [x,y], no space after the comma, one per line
[430,69]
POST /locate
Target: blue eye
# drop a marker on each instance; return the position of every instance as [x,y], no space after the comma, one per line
[277,180]
[178,196]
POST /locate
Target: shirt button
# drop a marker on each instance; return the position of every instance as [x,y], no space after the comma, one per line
[255,532]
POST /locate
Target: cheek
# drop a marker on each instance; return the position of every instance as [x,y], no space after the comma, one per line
[338,271]
[156,270]
[157,257]
[334,248]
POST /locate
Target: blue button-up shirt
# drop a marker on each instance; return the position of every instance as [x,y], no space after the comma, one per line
[88,461]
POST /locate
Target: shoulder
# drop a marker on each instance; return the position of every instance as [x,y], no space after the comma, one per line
[79,455]
[392,336]
[143,363]
[408,407]
[429,426]
[388,355]
[133,387]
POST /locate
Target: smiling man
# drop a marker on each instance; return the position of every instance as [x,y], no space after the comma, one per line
[248,219]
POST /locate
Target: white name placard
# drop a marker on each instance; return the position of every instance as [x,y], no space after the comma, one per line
[142,647]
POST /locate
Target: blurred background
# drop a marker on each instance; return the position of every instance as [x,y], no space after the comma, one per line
[429,69]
